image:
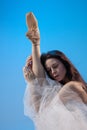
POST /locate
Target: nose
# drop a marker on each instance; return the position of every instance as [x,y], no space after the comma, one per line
[53,71]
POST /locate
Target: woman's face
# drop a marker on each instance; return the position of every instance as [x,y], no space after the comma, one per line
[56,69]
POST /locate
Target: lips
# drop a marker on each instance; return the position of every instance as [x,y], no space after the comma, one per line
[56,76]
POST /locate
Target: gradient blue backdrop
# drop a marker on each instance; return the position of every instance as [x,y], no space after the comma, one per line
[63,26]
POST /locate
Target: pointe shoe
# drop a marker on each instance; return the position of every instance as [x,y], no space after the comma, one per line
[31,21]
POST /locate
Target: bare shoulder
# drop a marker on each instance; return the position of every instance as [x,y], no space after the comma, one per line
[73,84]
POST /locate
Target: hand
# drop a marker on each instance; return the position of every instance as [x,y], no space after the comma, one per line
[34,36]
[27,70]
[29,62]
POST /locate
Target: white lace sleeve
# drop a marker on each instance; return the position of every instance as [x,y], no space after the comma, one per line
[38,94]
[32,98]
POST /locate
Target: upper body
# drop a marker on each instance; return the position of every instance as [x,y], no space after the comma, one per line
[56,65]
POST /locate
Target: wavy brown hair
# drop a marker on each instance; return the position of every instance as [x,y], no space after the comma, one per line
[71,72]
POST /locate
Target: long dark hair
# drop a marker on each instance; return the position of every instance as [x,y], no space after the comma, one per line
[72,73]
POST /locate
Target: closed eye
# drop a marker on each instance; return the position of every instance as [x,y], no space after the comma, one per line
[55,65]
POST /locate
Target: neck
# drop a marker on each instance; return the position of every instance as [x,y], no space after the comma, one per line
[64,81]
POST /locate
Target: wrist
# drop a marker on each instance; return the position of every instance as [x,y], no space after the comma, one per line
[36,43]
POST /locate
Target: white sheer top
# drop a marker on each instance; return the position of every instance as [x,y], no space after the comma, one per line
[43,105]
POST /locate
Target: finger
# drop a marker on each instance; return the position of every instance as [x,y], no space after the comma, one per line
[29,59]
[30,37]
[29,64]
[35,36]
[26,69]
[30,72]
[29,68]
[29,32]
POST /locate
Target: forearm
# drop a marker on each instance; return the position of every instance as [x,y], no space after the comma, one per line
[37,67]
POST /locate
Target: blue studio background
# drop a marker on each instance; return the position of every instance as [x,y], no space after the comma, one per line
[63,26]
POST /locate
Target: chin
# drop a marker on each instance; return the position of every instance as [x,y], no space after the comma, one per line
[57,79]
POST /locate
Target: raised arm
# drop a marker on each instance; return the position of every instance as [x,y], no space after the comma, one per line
[34,35]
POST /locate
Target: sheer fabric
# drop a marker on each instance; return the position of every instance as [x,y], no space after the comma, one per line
[43,105]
